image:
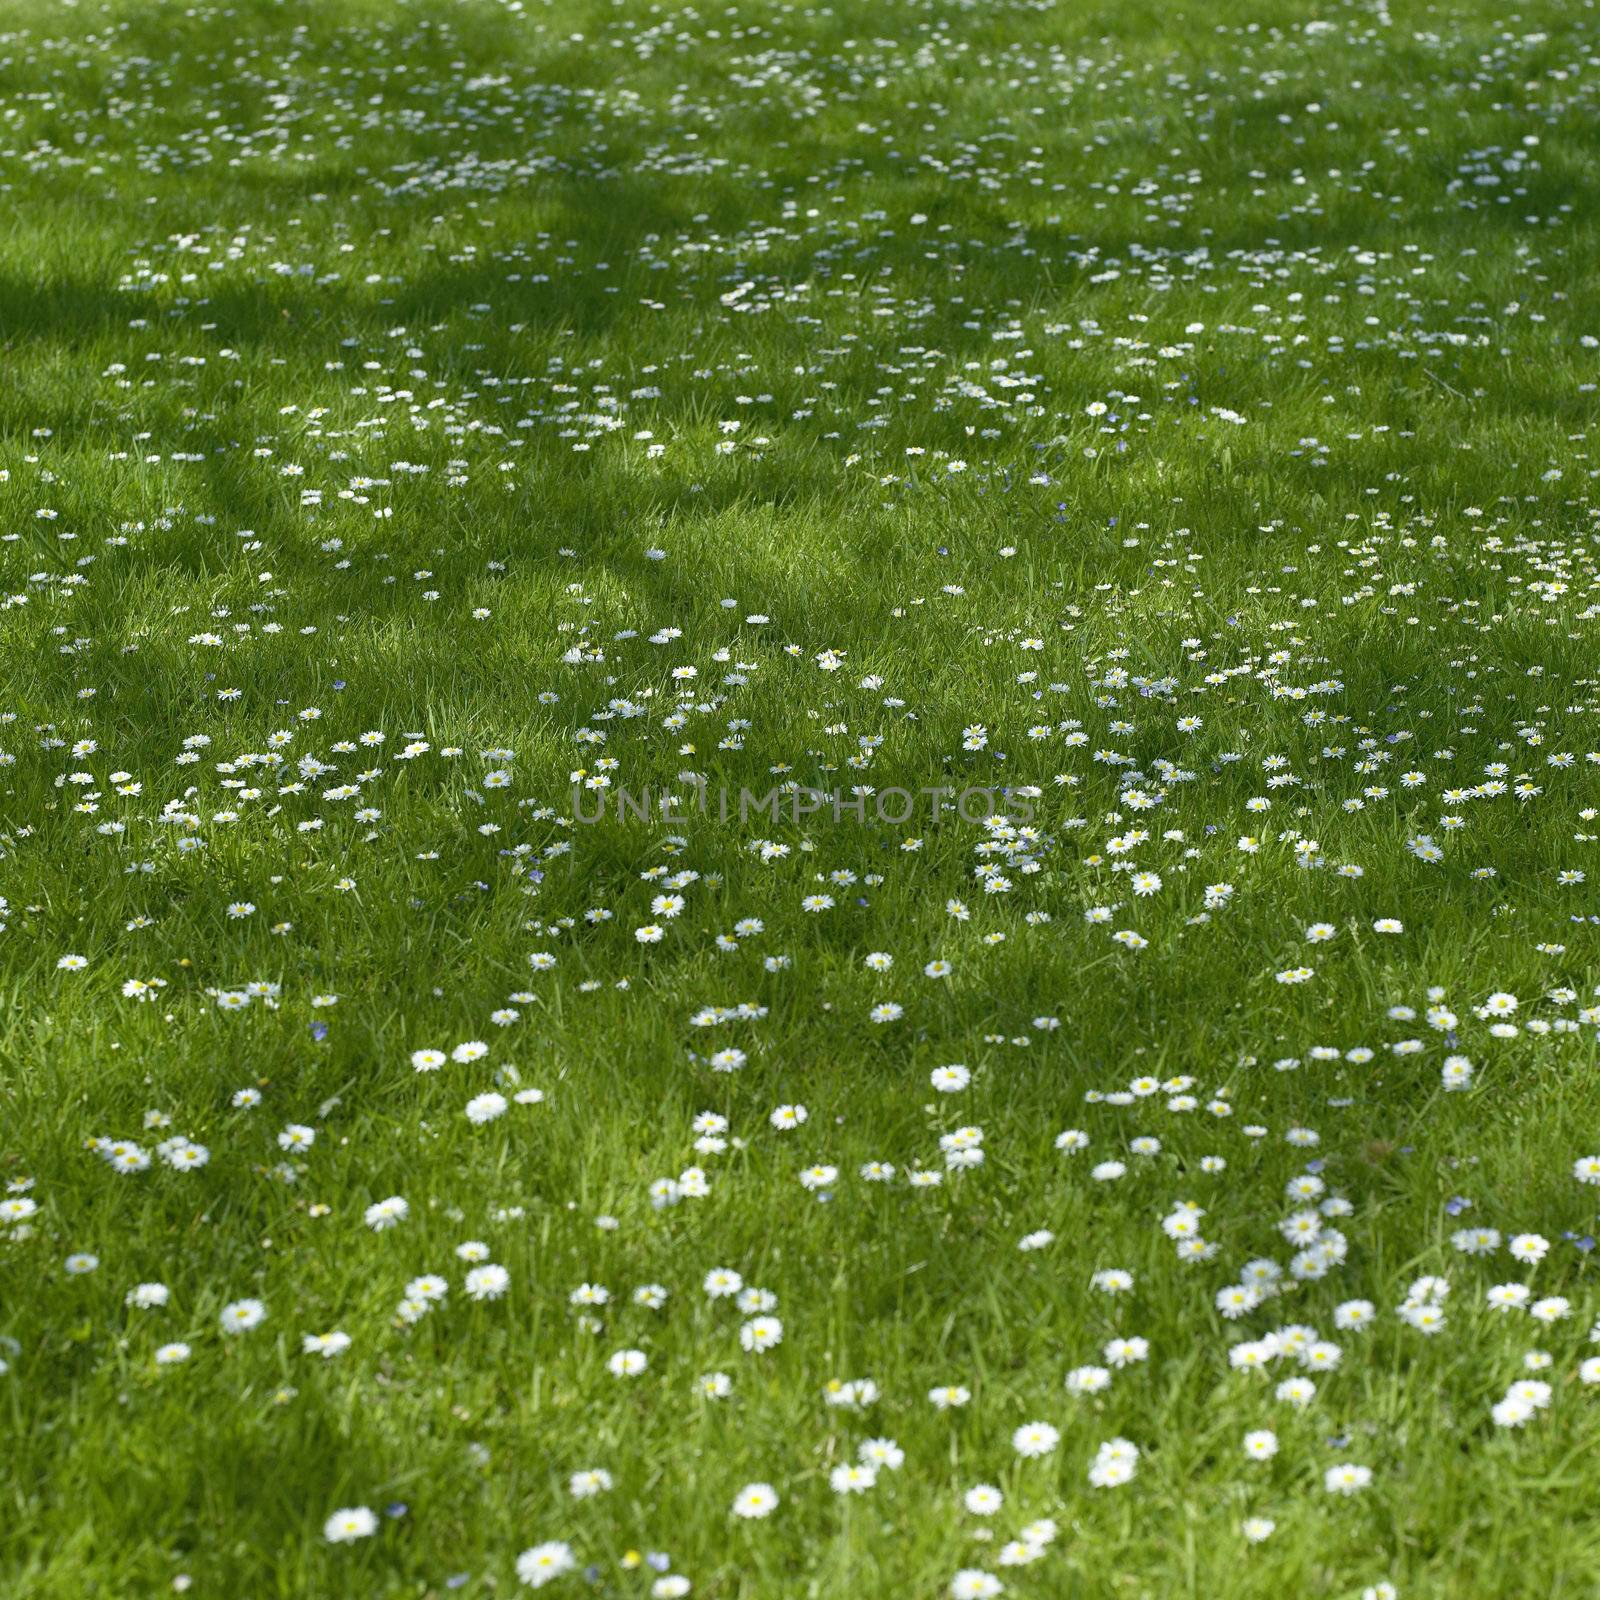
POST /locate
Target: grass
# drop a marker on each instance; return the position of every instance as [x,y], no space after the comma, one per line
[1195,404]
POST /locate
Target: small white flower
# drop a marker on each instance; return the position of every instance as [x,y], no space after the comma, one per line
[345,1527]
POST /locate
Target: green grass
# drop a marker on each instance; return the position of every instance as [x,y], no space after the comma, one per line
[1095,368]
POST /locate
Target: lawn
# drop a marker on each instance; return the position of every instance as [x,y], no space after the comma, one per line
[797,802]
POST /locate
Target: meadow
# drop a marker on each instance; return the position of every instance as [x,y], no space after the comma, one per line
[1117,1117]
